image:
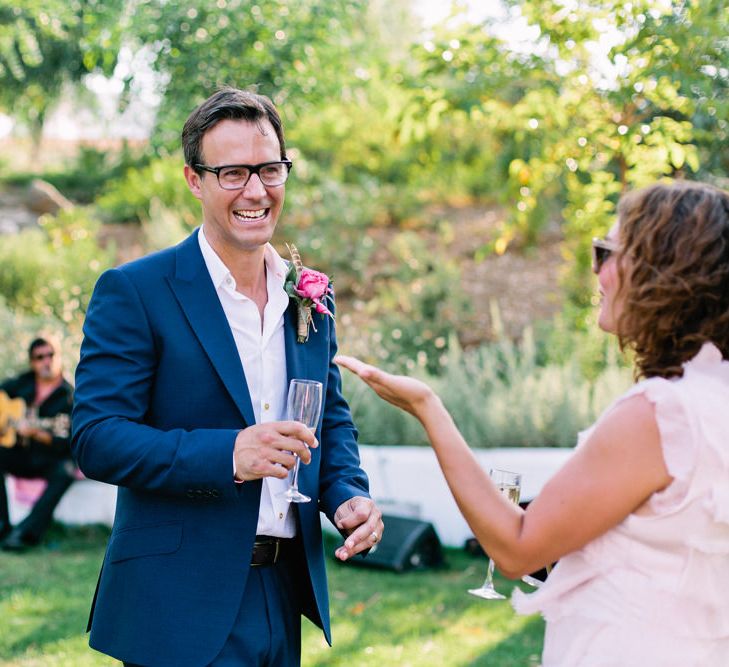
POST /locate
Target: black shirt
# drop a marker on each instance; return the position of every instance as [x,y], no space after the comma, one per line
[59,401]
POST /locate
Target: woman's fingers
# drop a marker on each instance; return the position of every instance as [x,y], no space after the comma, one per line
[370,374]
[350,363]
[367,372]
[400,390]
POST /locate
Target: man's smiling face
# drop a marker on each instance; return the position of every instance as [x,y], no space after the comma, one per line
[238,221]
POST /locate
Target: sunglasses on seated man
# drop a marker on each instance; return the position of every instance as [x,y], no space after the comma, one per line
[42,355]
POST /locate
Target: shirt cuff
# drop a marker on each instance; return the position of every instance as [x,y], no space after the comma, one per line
[235,472]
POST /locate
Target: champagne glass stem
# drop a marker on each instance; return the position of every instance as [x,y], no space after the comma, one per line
[487,590]
[295,474]
[532,581]
[489,583]
[509,484]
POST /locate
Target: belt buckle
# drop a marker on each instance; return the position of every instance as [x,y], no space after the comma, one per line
[276,552]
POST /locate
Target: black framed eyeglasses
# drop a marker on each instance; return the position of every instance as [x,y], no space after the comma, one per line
[236,176]
[42,355]
[601,251]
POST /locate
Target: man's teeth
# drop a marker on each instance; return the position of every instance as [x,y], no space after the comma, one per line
[250,215]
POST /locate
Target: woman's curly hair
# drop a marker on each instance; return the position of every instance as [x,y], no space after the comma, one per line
[674,274]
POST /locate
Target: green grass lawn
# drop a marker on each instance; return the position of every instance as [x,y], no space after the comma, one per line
[378,617]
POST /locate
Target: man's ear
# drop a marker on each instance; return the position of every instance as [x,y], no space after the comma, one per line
[193,181]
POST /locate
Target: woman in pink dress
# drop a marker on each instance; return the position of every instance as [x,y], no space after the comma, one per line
[638,518]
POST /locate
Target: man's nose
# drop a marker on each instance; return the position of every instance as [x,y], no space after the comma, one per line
[254,189]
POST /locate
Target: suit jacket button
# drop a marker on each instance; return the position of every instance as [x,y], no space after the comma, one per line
[190,493]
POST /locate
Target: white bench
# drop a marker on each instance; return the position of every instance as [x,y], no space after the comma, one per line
[405,481]
[86,501]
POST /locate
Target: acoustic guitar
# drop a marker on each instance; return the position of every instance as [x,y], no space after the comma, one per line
[14,412]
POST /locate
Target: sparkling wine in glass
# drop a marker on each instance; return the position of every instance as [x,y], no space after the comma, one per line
[509,484]
[303,405]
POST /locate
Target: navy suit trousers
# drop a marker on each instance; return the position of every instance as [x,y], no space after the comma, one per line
[267,630]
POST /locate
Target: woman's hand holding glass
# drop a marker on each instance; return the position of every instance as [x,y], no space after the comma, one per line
[509,485]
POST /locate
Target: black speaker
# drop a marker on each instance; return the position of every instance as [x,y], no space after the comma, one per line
[406,544]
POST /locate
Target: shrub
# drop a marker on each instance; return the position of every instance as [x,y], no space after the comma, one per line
[163,228]
[128,198]
[51,271]
[328,222]
[18,329]
[85,175]
[500,396]
[89,172]
[418,301]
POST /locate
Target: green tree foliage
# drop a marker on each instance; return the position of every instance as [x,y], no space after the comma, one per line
[299,53]
[45,44]
[671,61]
[381,121]
[575,128]
[128,199]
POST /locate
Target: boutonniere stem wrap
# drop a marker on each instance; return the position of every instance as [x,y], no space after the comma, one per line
[310,290]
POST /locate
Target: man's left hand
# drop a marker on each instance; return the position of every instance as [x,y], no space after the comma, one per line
[361,520]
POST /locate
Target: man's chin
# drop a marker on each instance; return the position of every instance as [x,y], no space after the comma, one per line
[249,240]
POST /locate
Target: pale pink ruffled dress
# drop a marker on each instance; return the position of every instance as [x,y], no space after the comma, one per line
[654,590]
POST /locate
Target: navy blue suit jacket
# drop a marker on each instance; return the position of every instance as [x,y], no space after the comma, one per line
[160,397]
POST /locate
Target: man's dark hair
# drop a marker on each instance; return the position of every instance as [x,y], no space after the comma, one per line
[36,343]
[227,104]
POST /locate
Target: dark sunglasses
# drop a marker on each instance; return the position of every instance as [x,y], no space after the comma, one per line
[42,355]
[601,251]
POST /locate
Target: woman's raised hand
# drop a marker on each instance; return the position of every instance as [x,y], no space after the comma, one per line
[403,392]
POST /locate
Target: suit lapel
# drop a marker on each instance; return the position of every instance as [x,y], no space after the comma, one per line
[198,299]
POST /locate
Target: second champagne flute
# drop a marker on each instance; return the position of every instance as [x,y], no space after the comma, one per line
[303,405]
[509,484]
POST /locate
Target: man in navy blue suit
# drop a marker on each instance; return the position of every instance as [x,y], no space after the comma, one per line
[180,402]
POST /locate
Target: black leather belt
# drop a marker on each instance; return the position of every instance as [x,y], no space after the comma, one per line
[269,550]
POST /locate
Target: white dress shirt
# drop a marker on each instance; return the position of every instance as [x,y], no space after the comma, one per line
[262,353]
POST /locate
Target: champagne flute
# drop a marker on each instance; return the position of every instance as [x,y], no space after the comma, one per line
[303,405]
[533,581]
[509,485]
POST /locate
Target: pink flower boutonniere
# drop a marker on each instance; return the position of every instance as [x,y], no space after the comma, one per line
[309,289]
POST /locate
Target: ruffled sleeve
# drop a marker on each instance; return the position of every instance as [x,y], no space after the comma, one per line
[678,440]
[716,503]
[666,568]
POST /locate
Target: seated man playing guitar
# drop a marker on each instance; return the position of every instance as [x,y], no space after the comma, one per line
[35,430]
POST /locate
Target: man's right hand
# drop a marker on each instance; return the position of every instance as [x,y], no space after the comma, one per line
[267,450]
